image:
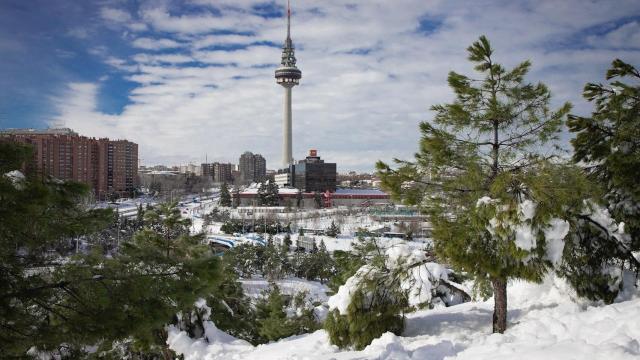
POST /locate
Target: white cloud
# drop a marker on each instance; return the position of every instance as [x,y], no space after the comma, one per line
[156,44]
[115,15]
[369,77]
[626,36]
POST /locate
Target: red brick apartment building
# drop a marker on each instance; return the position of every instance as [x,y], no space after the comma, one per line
[110,167]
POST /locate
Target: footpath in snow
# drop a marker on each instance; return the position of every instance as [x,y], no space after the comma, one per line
[546,321]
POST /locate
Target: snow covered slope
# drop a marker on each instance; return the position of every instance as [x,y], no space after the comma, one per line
[545,322]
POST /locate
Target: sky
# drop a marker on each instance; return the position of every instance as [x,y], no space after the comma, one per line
[194,79]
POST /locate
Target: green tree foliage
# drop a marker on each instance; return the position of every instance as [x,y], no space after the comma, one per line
[60,303]
[155,188]
[38,221]
[268,194]
[231,309]
[367,319]
[286,242]
[390,281]
[317,265]
[276,262]
[225,196]
[162,271]
[245,260]
[272,319]
[333,230]
[377,303]
[299,199]
[261,226]
[345,265]
[607,144]
[494,140]
[317,199]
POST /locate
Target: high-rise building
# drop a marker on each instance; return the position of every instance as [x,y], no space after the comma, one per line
[287,75]
[314,175]
[218,172]
[252,167]
[207,170]
[109,167]
[223,173]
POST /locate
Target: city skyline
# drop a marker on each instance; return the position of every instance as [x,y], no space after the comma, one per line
[188,78]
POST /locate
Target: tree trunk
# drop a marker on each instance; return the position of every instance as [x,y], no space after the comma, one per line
[500,305]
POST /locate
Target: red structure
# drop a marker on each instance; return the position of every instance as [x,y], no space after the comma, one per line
[110,167]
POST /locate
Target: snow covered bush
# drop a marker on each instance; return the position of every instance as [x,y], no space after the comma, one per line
[375,299]
[279,316]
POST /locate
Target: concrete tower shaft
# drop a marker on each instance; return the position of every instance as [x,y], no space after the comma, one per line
[287,75]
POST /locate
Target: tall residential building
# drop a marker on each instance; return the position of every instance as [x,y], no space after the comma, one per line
[223,173]
[218,172]
[252,167]
[109,167]
[287,75]
[207,170]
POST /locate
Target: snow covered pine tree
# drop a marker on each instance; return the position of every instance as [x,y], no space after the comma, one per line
[483,175]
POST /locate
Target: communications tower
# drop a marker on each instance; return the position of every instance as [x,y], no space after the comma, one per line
[288,76]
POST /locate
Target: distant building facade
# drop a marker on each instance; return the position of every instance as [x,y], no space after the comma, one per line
[252,167]
[218,172]
[191,169]
[207,170]
[223,173]
[314,175]
[108,166]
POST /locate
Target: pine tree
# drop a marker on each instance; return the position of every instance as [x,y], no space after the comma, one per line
[225,195]
[140,215]
[345,266]
[92,299]
[607,144]
[286,242]
[178,265]
[333,230]
[326,265]
[480,163]
[268,194]
[276,262]
[29,305]
[272,195]
[231,309]
[377,302]
[317,198]
[271,317]
[299,199]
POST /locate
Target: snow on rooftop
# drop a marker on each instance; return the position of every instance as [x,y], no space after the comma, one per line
[359,192]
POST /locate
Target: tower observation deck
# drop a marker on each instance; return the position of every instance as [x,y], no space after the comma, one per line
[287,75]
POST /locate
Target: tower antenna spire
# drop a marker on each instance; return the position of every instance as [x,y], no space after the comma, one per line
[288,19]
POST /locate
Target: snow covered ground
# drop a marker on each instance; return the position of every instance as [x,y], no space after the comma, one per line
[546,321]
[290,286]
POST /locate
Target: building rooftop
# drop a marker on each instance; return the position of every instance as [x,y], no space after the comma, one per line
[30,131]
[361,192]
